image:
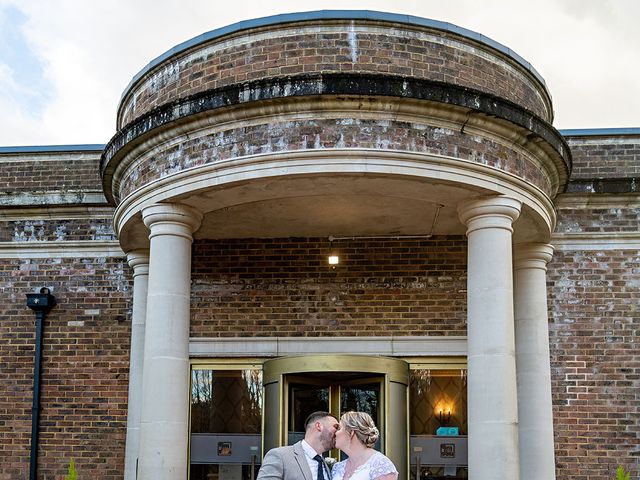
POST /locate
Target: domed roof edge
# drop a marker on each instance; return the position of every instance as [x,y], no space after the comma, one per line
[332,15]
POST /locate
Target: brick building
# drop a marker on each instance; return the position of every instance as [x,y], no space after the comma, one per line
[486,285]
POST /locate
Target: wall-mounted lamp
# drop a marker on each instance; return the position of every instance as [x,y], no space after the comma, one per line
[444,417]
[444,414]
[333,260]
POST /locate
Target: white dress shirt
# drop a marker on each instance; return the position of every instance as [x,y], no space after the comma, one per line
[310,453]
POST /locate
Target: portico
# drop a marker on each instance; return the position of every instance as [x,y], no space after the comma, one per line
[345,155]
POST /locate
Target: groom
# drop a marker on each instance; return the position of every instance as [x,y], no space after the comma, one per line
[303,460]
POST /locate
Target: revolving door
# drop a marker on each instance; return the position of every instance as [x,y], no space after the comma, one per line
[294,387]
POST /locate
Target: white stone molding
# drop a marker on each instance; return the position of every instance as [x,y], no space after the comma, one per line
[492,392]
[164,427]
[535,416]
[62,249]
[405,346]
[139,261]
[389,163]
[55,197]
[596,241]
[579,201]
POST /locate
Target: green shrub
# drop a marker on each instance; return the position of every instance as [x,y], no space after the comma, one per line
[621,475]
[73,475]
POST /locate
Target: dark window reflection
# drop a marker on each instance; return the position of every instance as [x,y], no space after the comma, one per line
[362,398]
[226,410]
[226,401]
[306,399]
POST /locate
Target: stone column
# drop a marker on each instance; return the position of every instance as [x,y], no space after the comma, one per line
[492,395]
[532,362]
[165,397]
[139,261]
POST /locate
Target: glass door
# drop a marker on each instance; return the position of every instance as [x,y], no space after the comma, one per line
[294,387]
[331,393]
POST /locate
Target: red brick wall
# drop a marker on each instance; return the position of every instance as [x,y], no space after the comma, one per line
[598,220]
[595,361]
[78,174]
[284,287]
[611,157]
[85,367]
[325,47]
[57,230]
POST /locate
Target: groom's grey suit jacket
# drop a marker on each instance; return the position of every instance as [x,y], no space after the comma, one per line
[285,463]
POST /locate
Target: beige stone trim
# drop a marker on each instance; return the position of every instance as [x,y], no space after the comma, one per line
[596,241]
[589,200]
[338,161]
[55,197]
[106,248]
[280,346]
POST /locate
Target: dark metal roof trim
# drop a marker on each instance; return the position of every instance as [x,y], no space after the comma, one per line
[596,132]
[92,147]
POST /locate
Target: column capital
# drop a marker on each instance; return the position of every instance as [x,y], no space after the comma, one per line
[532,255]
[489,212]
[171,219]
[139,261]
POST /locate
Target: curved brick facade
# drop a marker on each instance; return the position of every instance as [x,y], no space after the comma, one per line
[321,46]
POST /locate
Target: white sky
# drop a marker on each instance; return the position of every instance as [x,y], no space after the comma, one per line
[65,63]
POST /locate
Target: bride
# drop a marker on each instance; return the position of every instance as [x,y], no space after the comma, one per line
[356,437]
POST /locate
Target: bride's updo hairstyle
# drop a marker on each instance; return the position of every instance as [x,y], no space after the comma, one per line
[362,425]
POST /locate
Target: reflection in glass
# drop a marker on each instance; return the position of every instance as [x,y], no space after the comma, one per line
[435,391]
[306,399]
[361,398]
[226,401]
[437,398]
[225,405]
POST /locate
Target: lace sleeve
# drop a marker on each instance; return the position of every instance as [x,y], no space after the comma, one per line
[381,465]
[337,471]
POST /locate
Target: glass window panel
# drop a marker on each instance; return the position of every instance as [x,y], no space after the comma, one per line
[226,401]
[361,398]
[306,399]
[226,424]
[437,398]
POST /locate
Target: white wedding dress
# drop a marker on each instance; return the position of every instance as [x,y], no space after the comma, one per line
[375,467]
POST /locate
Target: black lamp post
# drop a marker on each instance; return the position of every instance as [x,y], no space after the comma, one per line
[40,303]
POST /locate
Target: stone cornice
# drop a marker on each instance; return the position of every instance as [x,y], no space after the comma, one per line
[50,198]
[64,249]
[475,103]
[279,346]
[575,201]
[596,241]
